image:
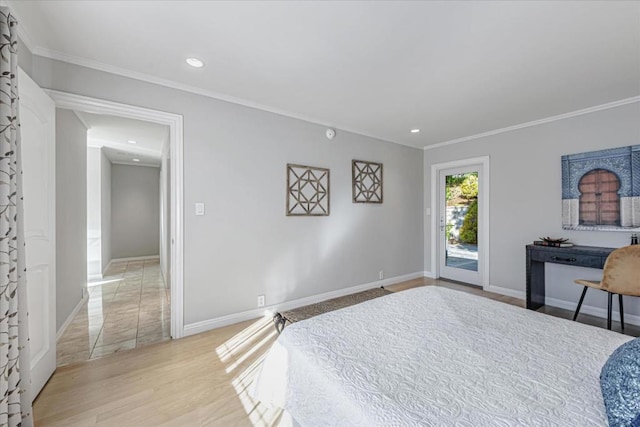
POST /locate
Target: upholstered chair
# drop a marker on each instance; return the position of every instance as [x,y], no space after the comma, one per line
[621,276]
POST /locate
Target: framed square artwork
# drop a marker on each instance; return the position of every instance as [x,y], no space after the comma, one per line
[307,191]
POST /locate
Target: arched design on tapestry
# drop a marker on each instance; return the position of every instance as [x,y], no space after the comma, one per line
[599,198]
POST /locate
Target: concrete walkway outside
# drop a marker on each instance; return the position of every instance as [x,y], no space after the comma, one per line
[462,255]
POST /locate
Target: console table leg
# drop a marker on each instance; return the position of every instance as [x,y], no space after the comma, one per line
[535,285]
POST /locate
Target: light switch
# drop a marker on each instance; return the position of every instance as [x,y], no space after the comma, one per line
[428,211]
[199,208]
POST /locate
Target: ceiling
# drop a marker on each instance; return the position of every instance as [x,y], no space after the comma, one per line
[114,133]
[452,69]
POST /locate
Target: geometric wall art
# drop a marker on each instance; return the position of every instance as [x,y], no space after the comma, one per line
[366,179]
[307,191]
[601,190]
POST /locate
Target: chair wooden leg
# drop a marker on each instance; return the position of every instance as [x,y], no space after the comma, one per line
[584,292]
[610,304]
[621,312]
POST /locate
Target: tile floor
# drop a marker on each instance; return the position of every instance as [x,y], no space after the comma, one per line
[129,308]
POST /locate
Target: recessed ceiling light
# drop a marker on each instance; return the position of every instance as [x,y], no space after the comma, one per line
[415,130]
[195,62]
[131,141]
[136,160]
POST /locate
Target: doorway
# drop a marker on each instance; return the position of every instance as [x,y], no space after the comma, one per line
[175,182]
[460,223]
[128,301]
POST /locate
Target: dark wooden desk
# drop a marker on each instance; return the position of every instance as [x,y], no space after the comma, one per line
[537,256]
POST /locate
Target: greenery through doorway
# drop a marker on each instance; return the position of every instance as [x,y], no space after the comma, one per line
[461,191]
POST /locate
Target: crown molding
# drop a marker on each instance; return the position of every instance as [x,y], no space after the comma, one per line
[124,146]
[140,164]
[589,110]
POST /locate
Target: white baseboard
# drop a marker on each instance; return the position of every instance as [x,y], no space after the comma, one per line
[593,311]
[75,311]
[429,274]
[218,322]
[135,258]
[506,291]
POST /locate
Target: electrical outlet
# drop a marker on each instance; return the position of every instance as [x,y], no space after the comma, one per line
[261,300]
[381,275]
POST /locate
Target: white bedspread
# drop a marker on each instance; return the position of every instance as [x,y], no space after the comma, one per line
[432,356]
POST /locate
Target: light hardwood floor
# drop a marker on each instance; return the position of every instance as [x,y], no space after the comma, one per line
[200,380]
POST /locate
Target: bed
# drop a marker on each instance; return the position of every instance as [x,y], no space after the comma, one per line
[432,356]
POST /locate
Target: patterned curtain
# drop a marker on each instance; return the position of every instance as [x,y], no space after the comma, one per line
[15,379]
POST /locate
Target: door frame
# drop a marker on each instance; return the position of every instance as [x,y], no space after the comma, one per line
[87,104]
[483,206]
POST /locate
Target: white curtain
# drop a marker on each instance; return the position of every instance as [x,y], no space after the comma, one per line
[15,379]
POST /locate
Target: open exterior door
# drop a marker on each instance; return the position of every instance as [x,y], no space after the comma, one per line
[37,117]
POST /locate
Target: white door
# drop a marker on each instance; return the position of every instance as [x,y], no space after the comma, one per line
[459,224]
[37,117]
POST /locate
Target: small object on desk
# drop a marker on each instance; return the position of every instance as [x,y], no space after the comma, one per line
[634,239]
[557,243]
[554,240]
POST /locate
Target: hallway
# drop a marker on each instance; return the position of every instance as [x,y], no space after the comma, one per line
[129,308]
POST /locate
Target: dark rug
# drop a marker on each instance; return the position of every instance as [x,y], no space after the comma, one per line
[291,316]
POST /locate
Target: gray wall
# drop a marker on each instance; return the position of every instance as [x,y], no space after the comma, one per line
[526,192]
[25,57]
[105,209]
[71,213]
[235,161]
[135,211]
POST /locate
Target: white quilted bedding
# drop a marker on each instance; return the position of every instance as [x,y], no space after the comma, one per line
[432,356]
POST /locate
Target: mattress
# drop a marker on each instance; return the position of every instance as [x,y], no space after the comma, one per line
[432,356]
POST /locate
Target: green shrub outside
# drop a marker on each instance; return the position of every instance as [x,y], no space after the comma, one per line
[454,180]
[469,229]
[469,187]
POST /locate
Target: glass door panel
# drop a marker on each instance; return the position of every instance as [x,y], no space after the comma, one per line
[458,210]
